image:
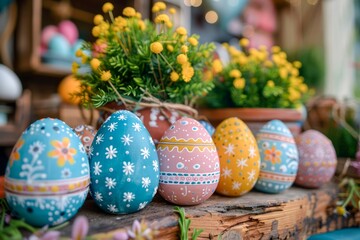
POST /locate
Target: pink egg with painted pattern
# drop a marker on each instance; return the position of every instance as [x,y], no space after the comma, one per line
[317,159]
[189,163]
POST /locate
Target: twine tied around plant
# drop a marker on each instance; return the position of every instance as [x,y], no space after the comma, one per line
[148,100]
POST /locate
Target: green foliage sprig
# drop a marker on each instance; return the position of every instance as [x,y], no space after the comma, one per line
[184,224]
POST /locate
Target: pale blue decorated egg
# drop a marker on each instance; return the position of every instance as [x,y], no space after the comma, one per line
[279,157]
[124,165]
[209,128]
[47,176]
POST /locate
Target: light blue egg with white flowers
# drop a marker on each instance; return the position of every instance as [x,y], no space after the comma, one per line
[47,176]
[124,165]
[279,157]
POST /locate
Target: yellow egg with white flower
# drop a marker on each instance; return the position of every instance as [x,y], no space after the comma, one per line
[238,155]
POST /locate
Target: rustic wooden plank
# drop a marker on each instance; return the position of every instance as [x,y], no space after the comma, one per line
[293,214]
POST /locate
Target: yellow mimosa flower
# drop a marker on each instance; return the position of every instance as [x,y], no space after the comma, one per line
[129,12]
[235,73]
[156,47]
[217,66]
[95,63]
[98,19]
[181,59]
[187,73]
[174,76]
[270,83]
[244,42]
[105,76]
[181,31]
[239,83]
[162,18]
[193,41]
[172,11]
[170,48]
[107,7]
[184,49]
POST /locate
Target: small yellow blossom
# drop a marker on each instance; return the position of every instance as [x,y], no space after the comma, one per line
[84,59]
[79,53]
[74,67]
[129,12]
[275,49]
[235,73]
[341,211]
[184,49]
[297,64]
[172,11]
[155,9]
[193,41]
[283,55]
[96,31]
[138,15]
[244,42]
[283,73]
[303,88]
[239,83]
[253,80]
[174,76]
[105,76]
[95,63]
[98,19]
[170,48]
[181,59]
[270,83]
[217,66]
[243,60]
[156,47]
[295,72]
[187,73]
[181,31]
[142,25]
[169,24]
[160,5]
[294,94]
[107,7]
[262,48]
[161,18]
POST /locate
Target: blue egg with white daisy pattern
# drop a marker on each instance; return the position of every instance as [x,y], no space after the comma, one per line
[124,165]
[47,176]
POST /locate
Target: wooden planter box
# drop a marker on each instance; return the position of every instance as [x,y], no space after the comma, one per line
[255,118]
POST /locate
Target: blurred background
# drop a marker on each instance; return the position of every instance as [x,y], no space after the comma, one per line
[39,38]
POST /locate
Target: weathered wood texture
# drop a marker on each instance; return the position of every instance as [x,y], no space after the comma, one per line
[293,214]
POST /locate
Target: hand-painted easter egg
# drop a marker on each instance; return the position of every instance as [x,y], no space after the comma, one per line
[86,133]
[189,163]
[317,159]
[69,30]
[59,46]
[47,176]
[210,128]
[47,33]
[279,157]
[239,157]
[124,165]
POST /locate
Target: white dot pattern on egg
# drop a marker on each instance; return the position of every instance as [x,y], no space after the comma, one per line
[189,163]
[47,176]
[317,163]
[124,165]
[279,157]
